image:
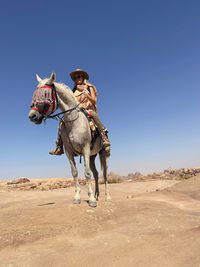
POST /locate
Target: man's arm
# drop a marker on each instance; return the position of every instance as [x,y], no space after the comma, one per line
[91,94]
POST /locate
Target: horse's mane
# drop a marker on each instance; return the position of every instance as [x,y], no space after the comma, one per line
[66,89]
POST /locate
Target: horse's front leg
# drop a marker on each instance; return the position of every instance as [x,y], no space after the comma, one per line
[88,175]
[74,171]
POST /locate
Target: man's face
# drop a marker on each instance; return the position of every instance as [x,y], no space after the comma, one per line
[79,79]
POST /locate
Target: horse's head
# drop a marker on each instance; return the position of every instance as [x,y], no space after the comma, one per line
[44,100]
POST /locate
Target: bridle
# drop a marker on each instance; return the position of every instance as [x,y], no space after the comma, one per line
[45,101]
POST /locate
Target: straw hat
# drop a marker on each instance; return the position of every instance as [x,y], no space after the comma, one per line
[81,72]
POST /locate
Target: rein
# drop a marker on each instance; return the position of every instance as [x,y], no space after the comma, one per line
[57,115]
[45,101]
[62,112]
[55,105]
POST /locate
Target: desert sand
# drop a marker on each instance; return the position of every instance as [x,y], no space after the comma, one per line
[148,223]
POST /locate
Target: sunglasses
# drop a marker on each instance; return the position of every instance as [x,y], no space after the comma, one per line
[78,77]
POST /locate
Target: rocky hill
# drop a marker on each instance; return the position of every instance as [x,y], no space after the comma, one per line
[25,184]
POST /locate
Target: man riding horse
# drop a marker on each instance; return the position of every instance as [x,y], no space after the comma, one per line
[86,95]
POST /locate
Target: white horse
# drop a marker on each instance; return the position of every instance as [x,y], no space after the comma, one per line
[75,132]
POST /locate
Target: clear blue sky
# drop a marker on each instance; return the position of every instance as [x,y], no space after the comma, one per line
[144,58]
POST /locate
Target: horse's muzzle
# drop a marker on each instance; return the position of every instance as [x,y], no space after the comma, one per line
[35,117]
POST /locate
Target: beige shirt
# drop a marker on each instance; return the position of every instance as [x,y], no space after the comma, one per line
[81,94]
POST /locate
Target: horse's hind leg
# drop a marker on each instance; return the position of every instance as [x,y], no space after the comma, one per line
[88,174]
[103,159]
[95,174]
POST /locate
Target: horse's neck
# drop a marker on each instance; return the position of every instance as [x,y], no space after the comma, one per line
[66,98]
[73,120]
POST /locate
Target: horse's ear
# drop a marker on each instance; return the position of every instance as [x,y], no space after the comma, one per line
[52,78]
[38,78]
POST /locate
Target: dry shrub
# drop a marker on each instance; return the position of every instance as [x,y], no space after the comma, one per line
[113,178]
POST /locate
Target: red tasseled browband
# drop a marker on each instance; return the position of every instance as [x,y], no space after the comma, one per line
[46,86]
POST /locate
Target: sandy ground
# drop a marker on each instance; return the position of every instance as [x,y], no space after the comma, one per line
[154,223]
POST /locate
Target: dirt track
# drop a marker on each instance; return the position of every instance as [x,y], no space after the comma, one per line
[143,225]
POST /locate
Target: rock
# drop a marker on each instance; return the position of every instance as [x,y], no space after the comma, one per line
[90,211]
[19,181]
[167,174]
[137,176]
[130,196]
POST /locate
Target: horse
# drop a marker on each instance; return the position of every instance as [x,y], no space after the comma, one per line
[75,133]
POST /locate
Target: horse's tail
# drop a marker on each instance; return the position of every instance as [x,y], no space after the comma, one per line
[103,160]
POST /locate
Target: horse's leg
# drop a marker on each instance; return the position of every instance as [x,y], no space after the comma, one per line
[74,171]
[86,155]
[95,174]
[103,159]
[77,198]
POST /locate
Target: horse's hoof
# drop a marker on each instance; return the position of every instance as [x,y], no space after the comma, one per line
[108,198]
[76,201]
[92,204]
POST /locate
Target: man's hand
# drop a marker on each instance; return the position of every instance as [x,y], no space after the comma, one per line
[85,92]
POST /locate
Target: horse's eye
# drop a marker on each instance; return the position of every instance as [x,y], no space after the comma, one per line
[46,106]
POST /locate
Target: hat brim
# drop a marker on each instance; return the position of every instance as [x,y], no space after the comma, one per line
[81,72]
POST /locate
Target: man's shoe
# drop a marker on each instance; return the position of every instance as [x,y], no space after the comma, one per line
[58,151]
[106,146]
[106,143]
[107,150]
